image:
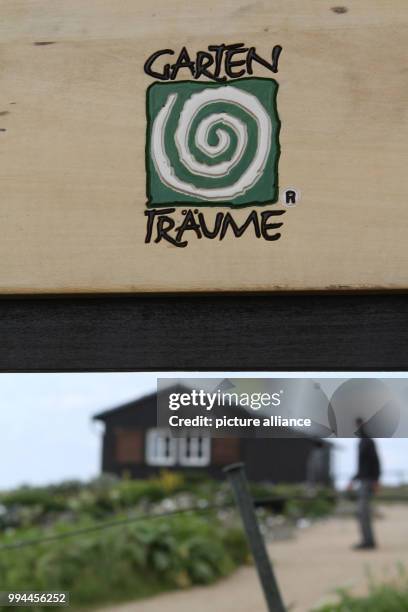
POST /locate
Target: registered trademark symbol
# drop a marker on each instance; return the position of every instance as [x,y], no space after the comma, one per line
[290,196]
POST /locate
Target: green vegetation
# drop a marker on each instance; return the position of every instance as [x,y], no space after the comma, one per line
[391,597]
[394,493]
[106,496]
[98,499]
[143,556]
[295,501]
[125,562]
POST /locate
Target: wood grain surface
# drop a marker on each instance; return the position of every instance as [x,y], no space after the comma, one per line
[205,333]
[72,140]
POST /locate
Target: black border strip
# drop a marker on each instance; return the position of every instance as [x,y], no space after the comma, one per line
[205,333]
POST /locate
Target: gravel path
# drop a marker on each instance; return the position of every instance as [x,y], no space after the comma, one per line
[309,568]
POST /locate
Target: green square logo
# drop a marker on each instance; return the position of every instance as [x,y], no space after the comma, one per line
[212,143]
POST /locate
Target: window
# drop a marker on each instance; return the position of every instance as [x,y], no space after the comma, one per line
[164,450]
[194,451]
[161,447]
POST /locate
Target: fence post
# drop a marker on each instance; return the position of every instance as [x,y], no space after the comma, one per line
[239,485]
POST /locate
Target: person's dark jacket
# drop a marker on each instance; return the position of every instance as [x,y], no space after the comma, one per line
[368,461]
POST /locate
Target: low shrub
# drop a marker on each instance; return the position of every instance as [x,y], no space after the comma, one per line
[125,562]
[381,598]
[296,500]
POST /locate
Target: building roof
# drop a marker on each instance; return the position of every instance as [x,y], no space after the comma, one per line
[147,398]
[151,398]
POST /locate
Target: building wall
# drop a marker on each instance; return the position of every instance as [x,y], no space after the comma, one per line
[124,453]
[277,459]
[266,459]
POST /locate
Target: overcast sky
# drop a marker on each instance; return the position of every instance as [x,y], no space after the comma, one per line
[47,434]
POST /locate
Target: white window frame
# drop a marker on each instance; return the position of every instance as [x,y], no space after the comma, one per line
[161,448]
[194,451]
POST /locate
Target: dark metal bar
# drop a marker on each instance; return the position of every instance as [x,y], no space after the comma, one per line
[239,484]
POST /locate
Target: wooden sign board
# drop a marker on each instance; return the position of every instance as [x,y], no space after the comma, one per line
[156,146]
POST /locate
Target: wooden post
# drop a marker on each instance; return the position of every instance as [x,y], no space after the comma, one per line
[239,485]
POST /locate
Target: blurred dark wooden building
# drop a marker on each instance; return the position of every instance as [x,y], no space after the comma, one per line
[133,445]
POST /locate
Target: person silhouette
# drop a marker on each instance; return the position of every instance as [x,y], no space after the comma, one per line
[368,475]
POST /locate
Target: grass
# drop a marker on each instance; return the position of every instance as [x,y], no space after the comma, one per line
[392,597]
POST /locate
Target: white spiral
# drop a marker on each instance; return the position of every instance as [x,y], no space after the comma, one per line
[247,103]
